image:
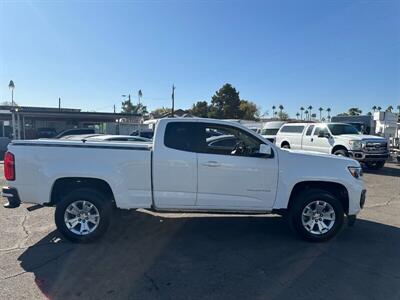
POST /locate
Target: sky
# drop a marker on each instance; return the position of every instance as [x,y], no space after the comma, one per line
[337,54]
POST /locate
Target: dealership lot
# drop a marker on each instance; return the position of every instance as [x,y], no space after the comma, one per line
[184,256]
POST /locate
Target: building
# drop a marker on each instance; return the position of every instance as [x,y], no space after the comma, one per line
[30,121]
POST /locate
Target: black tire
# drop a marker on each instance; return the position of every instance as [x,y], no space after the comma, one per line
[341,152]
[299,204]
[285,146]
[98,200]
[375,165]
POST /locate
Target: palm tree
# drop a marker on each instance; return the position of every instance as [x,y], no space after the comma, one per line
[379,108]
[390,108]
[273,109]
[297,115]
[320,113]
[374,108]
[275,114]
[329,113]
[398,108]
[310,111]
[306,113]
[280,111]
[301,112]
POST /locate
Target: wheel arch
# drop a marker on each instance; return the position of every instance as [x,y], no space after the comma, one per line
[284,142]
[336,189]
[63,185]
[338,147]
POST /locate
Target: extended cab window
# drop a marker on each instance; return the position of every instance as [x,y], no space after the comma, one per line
[181,136]
[227,140]
[292,129]
[320,129]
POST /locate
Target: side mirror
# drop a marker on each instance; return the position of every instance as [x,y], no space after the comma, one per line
[265,150]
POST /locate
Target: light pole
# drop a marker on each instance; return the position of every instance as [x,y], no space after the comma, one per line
[11,86]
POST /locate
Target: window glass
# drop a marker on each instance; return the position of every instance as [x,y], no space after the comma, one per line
[309,129]
[338,129]
[293,129]
[320,129]
[269,131]
[229,141]
[181,136]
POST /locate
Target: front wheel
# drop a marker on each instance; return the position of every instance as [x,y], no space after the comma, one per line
[341,152]
[83,215]
[316,215]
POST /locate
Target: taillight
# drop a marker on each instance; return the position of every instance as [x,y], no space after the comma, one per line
[9,166]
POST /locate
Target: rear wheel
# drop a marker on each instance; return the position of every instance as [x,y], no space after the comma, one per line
[83,215]
[285,146]
[316,215]
[375,165]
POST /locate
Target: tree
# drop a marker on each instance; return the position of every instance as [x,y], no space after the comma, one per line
[301,112]
[297,115]
[398,109]
[320,112]
[128,107]
[273,109]
[374,108]
[328,110]
[200,109]
[248,110]
[282,115]
[310,111]
[354,111]
[160,112]
[306,113]
[225,103]
[8,103]
[379,108]
[390,108]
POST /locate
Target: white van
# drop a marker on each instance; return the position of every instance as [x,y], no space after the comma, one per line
[270,129]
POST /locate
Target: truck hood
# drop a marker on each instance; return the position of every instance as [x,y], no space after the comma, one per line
[361,137]
[318,158]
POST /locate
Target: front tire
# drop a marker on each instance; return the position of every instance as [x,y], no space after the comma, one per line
[316,215]
[83,215]
[341,152]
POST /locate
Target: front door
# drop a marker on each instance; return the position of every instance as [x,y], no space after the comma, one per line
[231,176]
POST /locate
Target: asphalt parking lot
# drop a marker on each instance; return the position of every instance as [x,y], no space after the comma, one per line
[186,257]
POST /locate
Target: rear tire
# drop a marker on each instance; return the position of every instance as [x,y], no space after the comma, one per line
[316,215]
[285,146]
[375,165]
[341,152]
[83,215]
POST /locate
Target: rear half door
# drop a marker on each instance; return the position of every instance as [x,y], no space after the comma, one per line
[175,165]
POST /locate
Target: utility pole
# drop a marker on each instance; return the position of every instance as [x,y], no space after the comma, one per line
[59,103]
[173,100]
[114,108]
[140,111]
[11,86]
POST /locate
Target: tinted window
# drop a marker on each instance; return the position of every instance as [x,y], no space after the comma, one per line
[232,141]
[338,129]
[309,129]
[181,136]
[269,131]
[293,129]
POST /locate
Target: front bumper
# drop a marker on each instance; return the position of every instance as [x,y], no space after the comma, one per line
[351,219]
[12,196]
[365,156]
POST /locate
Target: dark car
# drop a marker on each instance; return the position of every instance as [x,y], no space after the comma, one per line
[146,133]
[46,133]
[75,131]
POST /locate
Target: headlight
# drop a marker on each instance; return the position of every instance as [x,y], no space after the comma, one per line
[355,145]
[356,172]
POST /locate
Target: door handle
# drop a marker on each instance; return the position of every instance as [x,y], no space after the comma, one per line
[312,139]
[211,164]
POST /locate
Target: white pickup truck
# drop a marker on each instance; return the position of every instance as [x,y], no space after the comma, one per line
[335,138]
[185,169]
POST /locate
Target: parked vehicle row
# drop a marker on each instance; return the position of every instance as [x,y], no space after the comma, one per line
[184,169]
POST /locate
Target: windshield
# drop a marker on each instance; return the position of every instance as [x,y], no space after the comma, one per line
[339,129]
[269,131]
